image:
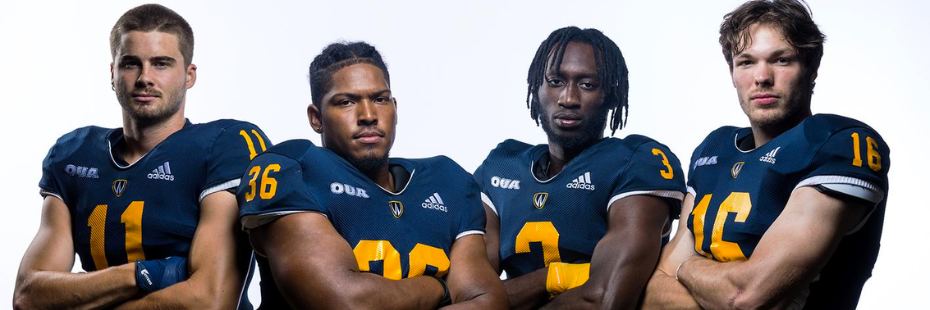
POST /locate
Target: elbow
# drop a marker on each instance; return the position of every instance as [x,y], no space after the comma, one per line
[21,301]
[22,297]
[752,299]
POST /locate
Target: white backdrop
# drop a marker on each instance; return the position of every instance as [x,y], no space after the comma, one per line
[459,72]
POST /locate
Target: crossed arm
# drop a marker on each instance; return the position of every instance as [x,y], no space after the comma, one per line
[621,264]
[315,267]
[45,280]
[773,276]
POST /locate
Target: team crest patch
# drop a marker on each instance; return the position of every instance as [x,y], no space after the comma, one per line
[119,186]
[737,168]
[397,208]
[539,200]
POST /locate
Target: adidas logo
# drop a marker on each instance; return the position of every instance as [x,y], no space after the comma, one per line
[582,182]
[163,172]
[770,156]
[434,202]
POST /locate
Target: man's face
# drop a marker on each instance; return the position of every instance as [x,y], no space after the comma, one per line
[770,80]
[358,116]
[149,75]
[572,100]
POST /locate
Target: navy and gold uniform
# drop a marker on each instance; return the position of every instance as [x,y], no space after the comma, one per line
[396,235]
[740,191]
[561,219]
[149,209]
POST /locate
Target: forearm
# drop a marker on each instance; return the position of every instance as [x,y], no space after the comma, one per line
[190,294]
[712,283]
[363,291]
[664,292]
[65,290]
[528,291]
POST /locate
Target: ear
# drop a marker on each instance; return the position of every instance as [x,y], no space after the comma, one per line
[732,80]
[191,76]
[112,77]
[316,118]
[396,116]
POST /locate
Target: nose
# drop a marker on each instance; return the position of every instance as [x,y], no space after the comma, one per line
[568,97]
[367,113]
[763,75]
[145,76]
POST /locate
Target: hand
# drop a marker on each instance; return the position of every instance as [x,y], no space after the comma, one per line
[565,276]
[156,274]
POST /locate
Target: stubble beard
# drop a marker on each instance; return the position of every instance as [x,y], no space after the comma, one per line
[167,105]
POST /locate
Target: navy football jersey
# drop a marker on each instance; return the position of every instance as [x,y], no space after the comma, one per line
[148,209]
[739,194]
[562,218]
[395,235]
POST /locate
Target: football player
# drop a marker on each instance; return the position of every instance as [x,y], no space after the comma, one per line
[578,222]
[147,207]
[786,213]
[343,226]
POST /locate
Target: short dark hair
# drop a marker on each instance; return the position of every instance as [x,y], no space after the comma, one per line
[611,70]
[337,56]
[791,17]
[154,17]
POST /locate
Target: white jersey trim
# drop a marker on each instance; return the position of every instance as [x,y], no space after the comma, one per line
[45,193]
[658,193]
[848,186]
[469,232]
[487,200]
[862,190]
[256,220]
[219,187]
[692,191]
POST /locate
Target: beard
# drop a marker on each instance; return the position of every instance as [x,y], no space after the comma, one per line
[369,162]
[592,132]
[787,115]
[155,112]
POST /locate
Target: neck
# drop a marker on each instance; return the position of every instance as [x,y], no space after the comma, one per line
[141,137]
[382,176]
[559,156]
[762,134]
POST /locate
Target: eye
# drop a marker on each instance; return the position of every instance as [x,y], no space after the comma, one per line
[743,63]
[344,102]
[554,82]
[588,86]
[129,64]
[783,61]
[382,99]
[161,64]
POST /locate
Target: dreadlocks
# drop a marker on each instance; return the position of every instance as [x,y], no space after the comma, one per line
[611,70]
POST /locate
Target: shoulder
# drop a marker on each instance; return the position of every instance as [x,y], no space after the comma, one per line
[439,165]
[300,151]
[224,127]
[822,127]
[73,141]
[635,142]
[509,148]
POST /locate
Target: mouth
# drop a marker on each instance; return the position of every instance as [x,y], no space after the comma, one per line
[764,99]
[369,136]
[567,120]
[145,96]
